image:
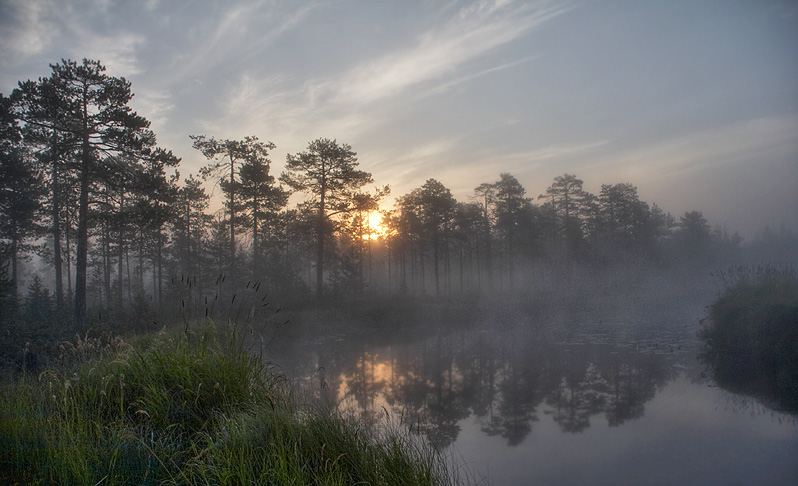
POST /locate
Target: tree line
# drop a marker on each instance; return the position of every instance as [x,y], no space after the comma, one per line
[85,186]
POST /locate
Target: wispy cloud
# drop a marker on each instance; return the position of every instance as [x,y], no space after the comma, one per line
[356,100]
[118,52]
[470,33]
[239,36]
[773,138]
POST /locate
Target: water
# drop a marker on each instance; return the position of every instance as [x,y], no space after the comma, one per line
[567,401]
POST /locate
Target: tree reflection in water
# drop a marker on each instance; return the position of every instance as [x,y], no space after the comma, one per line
[506,385]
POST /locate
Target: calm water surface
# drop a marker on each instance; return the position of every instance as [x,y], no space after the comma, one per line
[571,401]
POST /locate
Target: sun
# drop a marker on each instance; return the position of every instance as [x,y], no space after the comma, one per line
[374,229]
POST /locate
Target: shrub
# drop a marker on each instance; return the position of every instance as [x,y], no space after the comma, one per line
[751,334]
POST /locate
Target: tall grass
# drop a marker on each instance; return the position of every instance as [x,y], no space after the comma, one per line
[751,334]
[189,408]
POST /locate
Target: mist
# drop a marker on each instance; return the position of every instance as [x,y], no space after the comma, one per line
[518,242]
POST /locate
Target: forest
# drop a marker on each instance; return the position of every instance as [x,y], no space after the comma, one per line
[92,202]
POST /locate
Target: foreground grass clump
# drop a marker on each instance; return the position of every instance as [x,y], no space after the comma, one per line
[751,335]
[192,409]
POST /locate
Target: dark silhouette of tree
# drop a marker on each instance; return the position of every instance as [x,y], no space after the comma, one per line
[363,203]
[485,194]
[427,213]
[19,193]
[189,225]
[467,225]
[436,207]
[260,200]
[573,206]
[98,117]
[226,157]
[161,191]
[513,212]
[43,107]
[406,223]
[623,220]
[694,234]
[328,171]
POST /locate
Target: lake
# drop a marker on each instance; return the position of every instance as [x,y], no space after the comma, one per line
[573,399]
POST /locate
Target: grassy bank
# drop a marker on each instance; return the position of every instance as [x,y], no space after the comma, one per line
[751,335]
[191,408]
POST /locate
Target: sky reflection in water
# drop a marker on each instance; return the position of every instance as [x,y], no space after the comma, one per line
[594,403]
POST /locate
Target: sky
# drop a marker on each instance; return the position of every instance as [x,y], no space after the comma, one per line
[695,102]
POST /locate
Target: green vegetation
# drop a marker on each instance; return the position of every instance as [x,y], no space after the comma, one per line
[189,408]
[751,335]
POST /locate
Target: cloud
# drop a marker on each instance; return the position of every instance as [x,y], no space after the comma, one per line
[155,105]
[448,84]
[118,52]
[30,28]
[370,94]
[236,39]
[469,34]
[773,138]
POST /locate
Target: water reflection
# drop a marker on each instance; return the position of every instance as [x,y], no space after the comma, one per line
[505,382]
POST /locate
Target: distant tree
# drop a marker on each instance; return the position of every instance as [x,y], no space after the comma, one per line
[298,243]
[216,249]
[189,225]
[467,225]
[328,171]
[99,119]
[43,106]
[19,193]
[261,200]
[484,194]
[623,219]
[694,233]
[38,306]
[436,207]
[227,157]
[573,206]
[406,224]
[513,218]
[663,224]
[160,190]
[363,203]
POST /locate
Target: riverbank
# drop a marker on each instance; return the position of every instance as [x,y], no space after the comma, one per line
[192,407]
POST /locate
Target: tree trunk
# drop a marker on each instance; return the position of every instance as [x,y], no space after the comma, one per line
[106,253]
[435,262]
[56,215]
[121,244]
[83,221]
[232,220]
[255,248]
[68,242]
[159,235]
[83,237]
[320,249]
[14,282]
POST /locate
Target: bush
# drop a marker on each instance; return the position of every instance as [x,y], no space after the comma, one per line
[751,335]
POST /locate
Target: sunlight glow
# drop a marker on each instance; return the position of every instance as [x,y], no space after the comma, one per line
[375,229]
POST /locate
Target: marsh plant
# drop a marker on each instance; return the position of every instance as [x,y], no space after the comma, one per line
[192,407]
[751,335]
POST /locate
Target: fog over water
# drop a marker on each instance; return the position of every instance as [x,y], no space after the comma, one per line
[594,396]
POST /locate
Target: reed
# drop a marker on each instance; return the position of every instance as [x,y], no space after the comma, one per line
[190,408]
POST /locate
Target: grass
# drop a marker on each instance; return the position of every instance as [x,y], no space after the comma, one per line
[187,408]
[751,335]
